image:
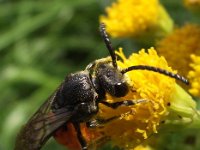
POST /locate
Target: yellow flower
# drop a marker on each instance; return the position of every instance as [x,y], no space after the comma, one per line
[133,18]
[141,147]
[178,46]
[194,75]
[193,5]
[162,96]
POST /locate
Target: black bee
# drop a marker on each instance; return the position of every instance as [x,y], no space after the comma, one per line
[76,100]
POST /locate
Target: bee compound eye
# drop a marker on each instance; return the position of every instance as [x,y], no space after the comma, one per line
[121,89]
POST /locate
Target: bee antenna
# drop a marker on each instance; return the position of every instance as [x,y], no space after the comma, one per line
[155,69]
[108,43]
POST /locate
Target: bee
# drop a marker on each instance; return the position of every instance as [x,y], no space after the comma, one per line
[75,101]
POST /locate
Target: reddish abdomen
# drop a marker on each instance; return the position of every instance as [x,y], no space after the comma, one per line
[67,136]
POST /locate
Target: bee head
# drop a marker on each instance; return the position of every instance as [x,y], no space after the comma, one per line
[112,80]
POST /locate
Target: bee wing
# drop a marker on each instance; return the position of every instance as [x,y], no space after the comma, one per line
[42,125]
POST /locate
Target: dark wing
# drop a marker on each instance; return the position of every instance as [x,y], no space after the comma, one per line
[42,124]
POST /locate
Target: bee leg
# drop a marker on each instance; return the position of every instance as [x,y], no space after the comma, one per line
[99,122]
[123,103]
[80,136]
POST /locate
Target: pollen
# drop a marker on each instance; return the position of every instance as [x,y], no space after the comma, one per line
[133,18]
[194,75]
[139,122]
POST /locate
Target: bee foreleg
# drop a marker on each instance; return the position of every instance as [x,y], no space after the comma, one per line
[99,122]
[123,103]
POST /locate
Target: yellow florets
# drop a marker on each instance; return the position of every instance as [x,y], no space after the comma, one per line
[178,46]
[141,147]
[139,122]
[131,18]
[194,5]
[194,75]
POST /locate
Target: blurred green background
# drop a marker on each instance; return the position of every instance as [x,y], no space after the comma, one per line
[40,43]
